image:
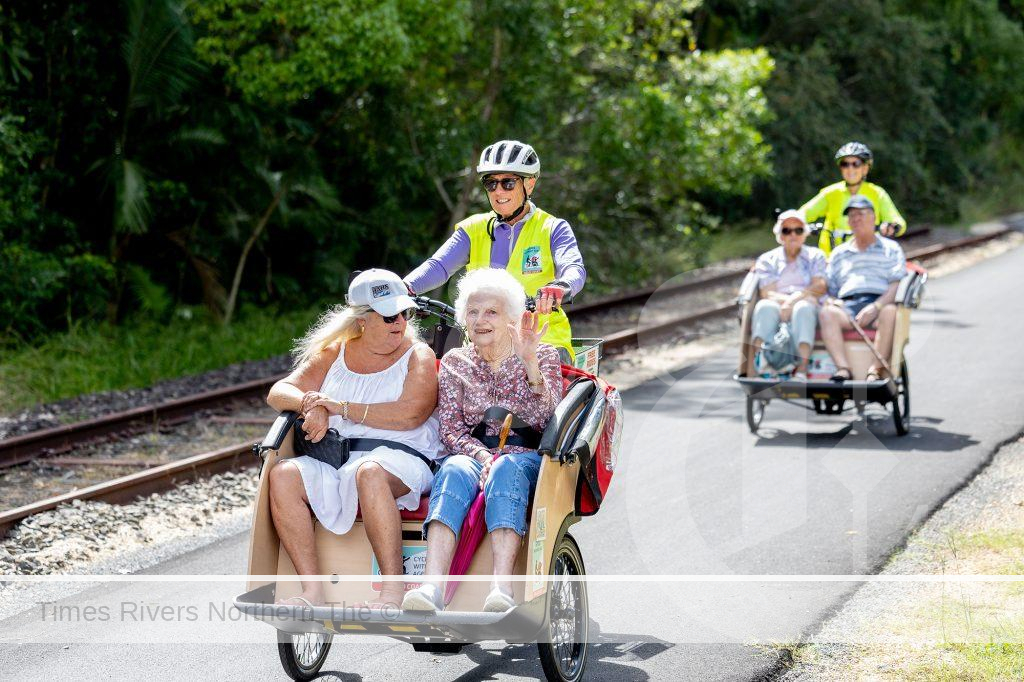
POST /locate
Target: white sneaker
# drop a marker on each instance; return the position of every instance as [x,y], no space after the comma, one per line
[498,602]
[426,598]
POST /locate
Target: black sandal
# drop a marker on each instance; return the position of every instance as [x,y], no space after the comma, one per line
[840,378]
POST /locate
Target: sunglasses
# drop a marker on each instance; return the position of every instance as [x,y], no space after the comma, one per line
[792,230]
[851,164]
[405,315]
[507,184]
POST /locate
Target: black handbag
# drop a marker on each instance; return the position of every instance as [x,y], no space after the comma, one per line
[331,449]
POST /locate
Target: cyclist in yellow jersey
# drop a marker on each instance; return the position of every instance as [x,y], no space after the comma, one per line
[854,159]
[537,248]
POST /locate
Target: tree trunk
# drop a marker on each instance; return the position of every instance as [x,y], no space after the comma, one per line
[257,230]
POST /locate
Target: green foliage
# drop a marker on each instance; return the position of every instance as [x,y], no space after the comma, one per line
[927,85]
[93,358]
[286,51]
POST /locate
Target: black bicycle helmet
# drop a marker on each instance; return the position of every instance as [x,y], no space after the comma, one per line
[857,149]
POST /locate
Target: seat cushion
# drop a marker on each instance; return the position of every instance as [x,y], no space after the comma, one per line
[418,514]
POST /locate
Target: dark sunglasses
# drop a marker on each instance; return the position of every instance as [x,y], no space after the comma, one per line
[792,230]
[405,315]
[507,184]
[851,164]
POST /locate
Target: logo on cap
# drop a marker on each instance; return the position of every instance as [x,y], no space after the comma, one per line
[380,290]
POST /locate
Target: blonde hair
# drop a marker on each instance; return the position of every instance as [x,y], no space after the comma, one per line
[339,323]
[495,282]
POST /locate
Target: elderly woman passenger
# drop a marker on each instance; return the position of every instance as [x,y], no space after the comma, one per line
[504,365]
[362,372]
[792,279]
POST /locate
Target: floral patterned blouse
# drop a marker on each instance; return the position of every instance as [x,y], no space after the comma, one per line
[467,387]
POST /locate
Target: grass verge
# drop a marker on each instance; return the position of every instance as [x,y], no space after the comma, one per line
[971,630]
[103,358]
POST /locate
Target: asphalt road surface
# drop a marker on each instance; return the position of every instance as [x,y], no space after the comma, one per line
[699,509]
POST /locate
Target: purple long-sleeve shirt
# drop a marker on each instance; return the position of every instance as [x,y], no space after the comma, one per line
[454,254]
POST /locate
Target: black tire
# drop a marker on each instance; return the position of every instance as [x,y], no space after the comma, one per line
[755,413]
[563,649]
[901,402]
[302,655]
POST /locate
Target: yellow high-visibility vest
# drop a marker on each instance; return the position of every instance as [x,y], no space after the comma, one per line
[531,262]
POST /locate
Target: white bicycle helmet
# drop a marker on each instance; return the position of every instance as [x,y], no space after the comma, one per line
[509,156]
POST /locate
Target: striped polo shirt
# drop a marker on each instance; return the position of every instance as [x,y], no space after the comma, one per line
[852,271]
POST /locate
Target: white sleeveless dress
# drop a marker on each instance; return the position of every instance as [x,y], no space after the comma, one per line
[332,492]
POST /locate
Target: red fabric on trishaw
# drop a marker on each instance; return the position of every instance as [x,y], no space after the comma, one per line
[417,514]
[849,334]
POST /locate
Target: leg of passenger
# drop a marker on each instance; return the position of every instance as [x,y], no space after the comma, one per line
[382,520]
[289,508]
[507,491]
[886,327]
[833,320]
[765,322]
[805,318]
[455,487]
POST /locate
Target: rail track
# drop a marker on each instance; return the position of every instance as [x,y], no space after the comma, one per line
[24,448]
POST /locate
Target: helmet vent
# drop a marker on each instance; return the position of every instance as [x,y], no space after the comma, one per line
[512,155]
[497,154]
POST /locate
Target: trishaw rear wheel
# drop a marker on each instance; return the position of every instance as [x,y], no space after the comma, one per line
[563,653]
[303,654]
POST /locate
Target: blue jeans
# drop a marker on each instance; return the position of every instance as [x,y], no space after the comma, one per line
[767,316]
[506,492]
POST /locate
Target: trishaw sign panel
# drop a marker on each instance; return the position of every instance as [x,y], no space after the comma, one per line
[414,560]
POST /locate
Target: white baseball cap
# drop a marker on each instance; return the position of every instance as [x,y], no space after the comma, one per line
[382,290]
[783,217]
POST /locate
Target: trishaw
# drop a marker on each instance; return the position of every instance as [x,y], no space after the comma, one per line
[762,385]
[579,448]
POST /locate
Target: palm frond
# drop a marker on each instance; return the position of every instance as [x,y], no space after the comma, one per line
[200,136]
[158,51]
[131,197]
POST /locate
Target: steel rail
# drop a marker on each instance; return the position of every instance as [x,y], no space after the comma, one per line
[24,448]
[155,479]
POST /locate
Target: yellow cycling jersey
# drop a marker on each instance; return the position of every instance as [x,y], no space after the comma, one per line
[829,203]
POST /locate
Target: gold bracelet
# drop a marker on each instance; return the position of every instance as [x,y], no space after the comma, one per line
[365,412]
[534,384]
[344,410]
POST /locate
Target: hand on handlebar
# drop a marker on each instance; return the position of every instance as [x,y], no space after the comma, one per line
[549,297]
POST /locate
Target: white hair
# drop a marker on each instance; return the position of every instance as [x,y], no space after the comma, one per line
[339,323]
[494,282]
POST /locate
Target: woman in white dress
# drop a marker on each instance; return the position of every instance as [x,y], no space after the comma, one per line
[363,372]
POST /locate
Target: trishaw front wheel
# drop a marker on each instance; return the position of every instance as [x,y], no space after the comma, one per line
[901,403]
[303,654]
[755,413]
[563,652]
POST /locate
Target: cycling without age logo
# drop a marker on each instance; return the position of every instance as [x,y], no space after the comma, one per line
[531,260]
[380,291]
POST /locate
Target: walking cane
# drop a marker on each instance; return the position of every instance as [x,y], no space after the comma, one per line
[871,344]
